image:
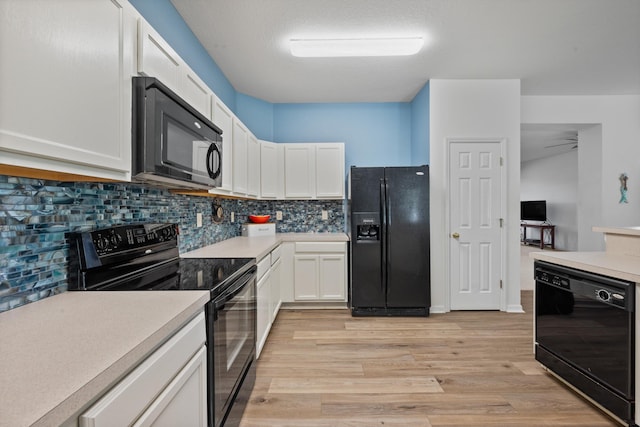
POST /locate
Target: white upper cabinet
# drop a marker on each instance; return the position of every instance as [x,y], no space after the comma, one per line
[330,177]
[314,171]
[240,153]
[65,86]
[253,166]
[300,171]
[271,170]
[196,92]
[223,118]
[156,58]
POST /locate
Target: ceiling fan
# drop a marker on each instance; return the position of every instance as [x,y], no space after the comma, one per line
[572,140]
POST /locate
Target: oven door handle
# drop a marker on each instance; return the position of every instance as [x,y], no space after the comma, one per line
[230,293]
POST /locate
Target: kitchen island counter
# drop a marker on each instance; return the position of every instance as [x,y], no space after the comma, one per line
[61,353]
[623,267]
[620,260]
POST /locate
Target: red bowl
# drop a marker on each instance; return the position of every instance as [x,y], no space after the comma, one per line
[259,219]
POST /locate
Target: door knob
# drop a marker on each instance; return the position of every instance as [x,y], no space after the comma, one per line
[455,235]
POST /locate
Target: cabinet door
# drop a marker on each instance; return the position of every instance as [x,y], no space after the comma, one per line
[240,153]
[184,400]
[65,85]
[196,92]
[306,277]
[268,170]
[156,58]
[274,301]
[330,177]
[131,397]
[263,317]
[253,166]
[287,277]
[332,277]
[300,171]
[223,118]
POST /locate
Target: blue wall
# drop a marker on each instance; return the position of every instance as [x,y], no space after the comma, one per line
[256,114]
[420,127]
[375,134]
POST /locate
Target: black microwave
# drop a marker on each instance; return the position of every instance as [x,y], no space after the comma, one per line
[173,144]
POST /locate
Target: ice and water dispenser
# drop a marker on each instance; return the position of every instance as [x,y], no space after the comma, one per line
[367,226]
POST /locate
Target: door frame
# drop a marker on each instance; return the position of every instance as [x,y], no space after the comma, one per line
[502,143]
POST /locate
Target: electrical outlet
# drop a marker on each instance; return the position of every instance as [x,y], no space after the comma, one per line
[325,215]
[233,217]
[279,215]
[199,219]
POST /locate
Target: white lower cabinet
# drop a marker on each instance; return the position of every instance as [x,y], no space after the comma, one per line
[263,317]
[275,301]
[320,271]
[267,295]
[168,388]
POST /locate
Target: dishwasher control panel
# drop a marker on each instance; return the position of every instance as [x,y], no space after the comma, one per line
[584,284]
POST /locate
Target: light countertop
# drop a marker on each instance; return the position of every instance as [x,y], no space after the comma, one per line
[627,231]
[60,353]
[613,265]
[257,247]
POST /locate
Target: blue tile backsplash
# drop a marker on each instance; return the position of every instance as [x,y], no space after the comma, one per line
[36,214]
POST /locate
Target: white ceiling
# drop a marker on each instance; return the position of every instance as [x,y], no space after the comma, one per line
[560,47]
[555,47]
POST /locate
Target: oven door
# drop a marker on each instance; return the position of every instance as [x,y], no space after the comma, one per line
[234,339]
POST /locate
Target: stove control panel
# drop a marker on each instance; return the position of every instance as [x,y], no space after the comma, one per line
[130,237]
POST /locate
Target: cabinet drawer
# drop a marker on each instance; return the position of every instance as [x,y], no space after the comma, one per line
[129,398]
[318,247]
[275,255]
[263,266]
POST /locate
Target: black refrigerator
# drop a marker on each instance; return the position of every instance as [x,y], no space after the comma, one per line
[390,267]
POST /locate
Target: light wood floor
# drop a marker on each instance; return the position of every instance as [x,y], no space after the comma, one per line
[325,368]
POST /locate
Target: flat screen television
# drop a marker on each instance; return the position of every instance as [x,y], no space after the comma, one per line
[533,210]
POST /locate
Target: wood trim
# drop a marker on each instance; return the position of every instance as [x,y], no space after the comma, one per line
[205,193]
[48,175]
[25,172]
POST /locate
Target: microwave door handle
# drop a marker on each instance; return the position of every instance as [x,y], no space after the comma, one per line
[213,165]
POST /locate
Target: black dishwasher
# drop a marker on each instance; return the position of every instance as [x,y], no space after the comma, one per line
[585,334]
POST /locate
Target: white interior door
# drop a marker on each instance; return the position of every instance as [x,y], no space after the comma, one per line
[475,224]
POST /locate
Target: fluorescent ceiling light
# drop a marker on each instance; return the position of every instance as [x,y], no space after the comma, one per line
[356,47]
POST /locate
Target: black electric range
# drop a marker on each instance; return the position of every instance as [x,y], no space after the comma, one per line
[140,257]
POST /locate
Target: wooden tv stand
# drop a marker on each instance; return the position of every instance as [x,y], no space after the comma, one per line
[548,228]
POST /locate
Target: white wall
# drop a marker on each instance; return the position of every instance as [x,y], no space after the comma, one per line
[618,152]
[554,179]
[589,202]
[469,109]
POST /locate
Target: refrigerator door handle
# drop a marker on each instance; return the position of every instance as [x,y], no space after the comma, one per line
[383,233]
[387,223]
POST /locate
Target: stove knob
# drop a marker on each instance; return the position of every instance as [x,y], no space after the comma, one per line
[102,243]
[116,239]
[603,295]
